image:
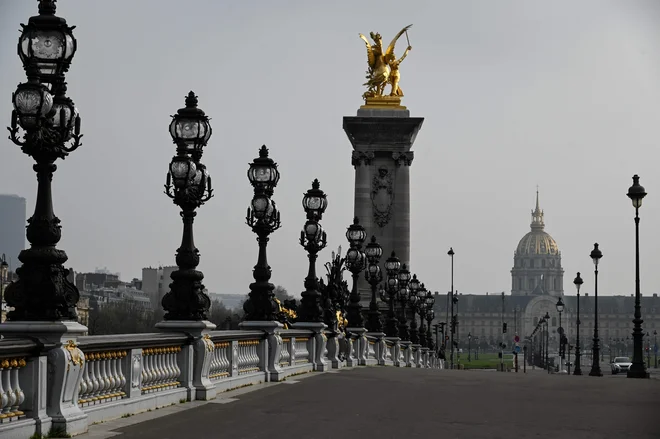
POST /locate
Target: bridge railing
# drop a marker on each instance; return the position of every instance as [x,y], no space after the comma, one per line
[71,385]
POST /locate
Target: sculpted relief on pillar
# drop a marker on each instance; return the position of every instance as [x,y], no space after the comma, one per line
[382,196]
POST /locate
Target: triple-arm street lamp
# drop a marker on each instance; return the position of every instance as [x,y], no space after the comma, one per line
[313,239]
[403,297]
[637,370]
[392,267]
[46,125]
[264,218]
[356,261]
[596,254]
[578,355]
[189,186]
[374,276]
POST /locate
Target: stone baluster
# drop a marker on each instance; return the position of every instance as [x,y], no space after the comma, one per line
[177,370]
[11,391]
[146,369]
[16,385]
[158,367]
[84,383]
[6,379]
[168,365]
[104,377]
[285,355]
[4,398]
[122,378]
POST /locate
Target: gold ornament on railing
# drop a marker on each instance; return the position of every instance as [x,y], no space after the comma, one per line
[76,358]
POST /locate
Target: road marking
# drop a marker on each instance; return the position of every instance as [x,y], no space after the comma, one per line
[223,400]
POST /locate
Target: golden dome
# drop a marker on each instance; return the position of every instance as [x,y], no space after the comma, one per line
[537,242]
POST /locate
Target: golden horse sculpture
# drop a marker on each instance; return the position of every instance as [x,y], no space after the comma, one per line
[383,69]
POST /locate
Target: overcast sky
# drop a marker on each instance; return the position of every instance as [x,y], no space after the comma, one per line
[515,94]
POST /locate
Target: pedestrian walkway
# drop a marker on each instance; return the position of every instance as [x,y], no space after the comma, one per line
[388,402]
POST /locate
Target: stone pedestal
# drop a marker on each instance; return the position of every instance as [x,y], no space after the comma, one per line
[379,347]
[425,357]
[57,408]
[318,341]
[274,340]
[407,353]
[360,345]
[416,355]
[334,351]
[195,360]
[382,139]
[395,349]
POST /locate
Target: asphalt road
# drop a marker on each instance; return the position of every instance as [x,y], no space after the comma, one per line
[389,402]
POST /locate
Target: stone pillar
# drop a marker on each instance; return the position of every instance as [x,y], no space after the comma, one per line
[382,139]
[317,343]
[407,353]
[198,357]
[65,363]
[274,372]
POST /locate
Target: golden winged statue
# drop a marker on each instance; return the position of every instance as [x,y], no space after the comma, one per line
[383,67]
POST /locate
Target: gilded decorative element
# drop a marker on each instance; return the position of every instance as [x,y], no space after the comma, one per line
[382,196]
[383,69]
[208,342]
[77,357]
[362,158]
[403,158]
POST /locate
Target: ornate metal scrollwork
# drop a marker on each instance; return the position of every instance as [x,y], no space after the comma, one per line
[382,196]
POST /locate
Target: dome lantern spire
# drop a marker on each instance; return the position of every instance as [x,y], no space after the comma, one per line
[537,215]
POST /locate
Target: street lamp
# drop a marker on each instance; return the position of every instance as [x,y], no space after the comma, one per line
[655,348]
[560,309]
[189,186]
[264,218]
[356,261]
[313,239]
[403,296]
[392,267]
[422,306]
[415,287]
[452,323]
[546,319]
[637,370]
[374,276]
[430,315]
[469,346]
[596,254]
[578,371]
[46,125]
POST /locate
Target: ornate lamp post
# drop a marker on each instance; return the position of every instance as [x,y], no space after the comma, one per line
[469,346]
[374,276]
[637,370]
[264,218]
[413,299]
[546,319]
[430,315]
[46,125]
[578,355]
[403,297]
[189,186]
[560,309]
[392,266]
[452,322]
[422,306]
[356,261]
[655,348]
[596,254]
[4,268]
[313,239]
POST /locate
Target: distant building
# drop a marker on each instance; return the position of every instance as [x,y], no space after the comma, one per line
[13,218]
[156,282]
[536,285]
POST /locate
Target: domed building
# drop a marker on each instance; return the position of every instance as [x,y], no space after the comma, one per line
[537,261]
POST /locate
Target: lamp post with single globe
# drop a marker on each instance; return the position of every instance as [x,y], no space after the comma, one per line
[655,348]
[356,261]
[46,125]
[469,346]
[189,186]
[264,218]
[560,309]
[374,276]
[596,254]
[392,266]
[637,370]
[413,300]
[452,322]
[403,296]
[546,319]
[313,239]
[577,371]
[430,315]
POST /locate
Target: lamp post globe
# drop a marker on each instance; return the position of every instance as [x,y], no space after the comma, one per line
[313,239]
[263,218]
[413,300]
[404,279]
[636,193]
[595,255]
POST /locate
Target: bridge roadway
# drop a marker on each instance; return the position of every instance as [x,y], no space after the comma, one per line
[389,402]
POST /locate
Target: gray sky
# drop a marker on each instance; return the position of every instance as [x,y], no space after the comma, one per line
[515,93]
